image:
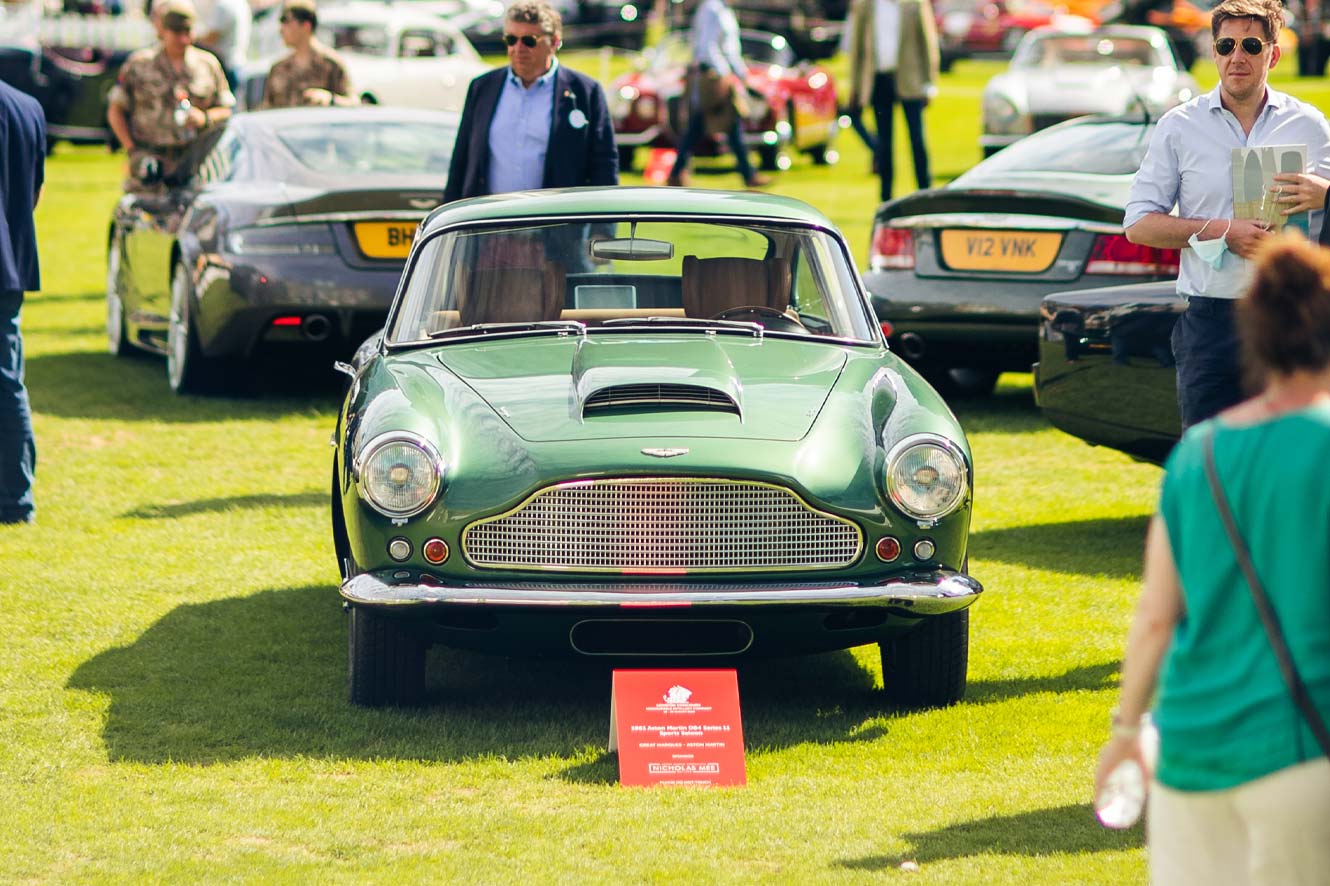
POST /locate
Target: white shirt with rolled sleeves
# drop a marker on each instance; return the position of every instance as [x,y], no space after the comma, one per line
[1189,165]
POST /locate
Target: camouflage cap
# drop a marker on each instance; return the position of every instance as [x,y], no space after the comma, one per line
[175,15]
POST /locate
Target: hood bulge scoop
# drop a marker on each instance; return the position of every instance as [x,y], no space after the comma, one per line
[621,386]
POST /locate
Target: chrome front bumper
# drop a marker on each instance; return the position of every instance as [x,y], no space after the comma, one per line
[924,593]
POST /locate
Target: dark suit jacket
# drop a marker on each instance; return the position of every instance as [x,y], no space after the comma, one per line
[575,156]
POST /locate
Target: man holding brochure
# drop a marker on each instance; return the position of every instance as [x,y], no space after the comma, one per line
[1190,166]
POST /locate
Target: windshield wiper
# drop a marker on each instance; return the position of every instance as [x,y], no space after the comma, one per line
[561,326]
[702,323]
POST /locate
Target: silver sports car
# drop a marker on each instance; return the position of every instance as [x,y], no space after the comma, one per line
[1056,75]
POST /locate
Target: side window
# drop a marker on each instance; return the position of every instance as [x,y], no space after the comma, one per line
[219,164]
[418,44]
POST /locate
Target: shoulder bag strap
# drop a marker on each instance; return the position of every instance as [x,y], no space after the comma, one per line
[1296,688]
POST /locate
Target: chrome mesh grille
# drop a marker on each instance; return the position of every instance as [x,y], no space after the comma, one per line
[672,396]
[663,523]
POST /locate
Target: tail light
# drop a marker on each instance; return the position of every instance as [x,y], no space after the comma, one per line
[893,248]
[1115,254]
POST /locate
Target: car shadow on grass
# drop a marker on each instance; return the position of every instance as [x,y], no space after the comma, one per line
[227,503]
[1063,830]
[1114,545]
[265,675]
[89,385]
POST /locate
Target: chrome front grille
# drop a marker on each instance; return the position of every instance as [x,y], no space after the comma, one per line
[697,525]
[659,396]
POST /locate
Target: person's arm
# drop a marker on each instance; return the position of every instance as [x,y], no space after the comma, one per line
[1242,236]
[452,190]
[118,119]
[1158,612]
[604,153]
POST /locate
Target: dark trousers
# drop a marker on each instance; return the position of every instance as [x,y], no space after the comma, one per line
[1205,347]
[18,448]
[855,115]
[884,104]
[696,129]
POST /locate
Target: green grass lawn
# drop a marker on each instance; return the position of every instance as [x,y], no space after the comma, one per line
[173,703]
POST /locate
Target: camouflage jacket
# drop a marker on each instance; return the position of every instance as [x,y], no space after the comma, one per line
[149,87]
[287,81]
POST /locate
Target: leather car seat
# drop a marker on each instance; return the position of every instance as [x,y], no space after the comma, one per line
[712,286]
[513,295]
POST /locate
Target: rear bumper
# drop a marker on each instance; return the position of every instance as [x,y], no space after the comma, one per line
[918,594]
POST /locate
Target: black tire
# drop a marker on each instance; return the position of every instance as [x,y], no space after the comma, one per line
[627,156]
[117,341]
[768,158]
[823,155]
[188,370]
[926,667]
[971,382]
[385,661]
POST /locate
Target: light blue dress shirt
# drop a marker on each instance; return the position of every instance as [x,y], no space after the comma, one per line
[715,38]
[1189,165]
[520,133]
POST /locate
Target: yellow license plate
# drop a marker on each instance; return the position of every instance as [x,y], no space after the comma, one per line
[1020,251]
[385,239]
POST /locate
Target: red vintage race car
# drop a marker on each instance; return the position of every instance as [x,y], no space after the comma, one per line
[793,103]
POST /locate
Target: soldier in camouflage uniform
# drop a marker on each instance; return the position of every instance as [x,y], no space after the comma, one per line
[164,96]
[312,74]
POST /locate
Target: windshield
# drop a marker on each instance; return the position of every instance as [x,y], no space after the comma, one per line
[357,38]
[357,148]
[789,280]
[1108,148]
[1094,49]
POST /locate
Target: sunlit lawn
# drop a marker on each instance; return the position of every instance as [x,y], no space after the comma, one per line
[173,704]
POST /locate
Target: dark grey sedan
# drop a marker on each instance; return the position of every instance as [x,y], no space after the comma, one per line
[285,232]
[956,273]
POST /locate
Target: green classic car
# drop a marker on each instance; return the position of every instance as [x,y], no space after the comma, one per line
[650,424]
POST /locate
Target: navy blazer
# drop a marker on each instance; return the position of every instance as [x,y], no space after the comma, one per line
[584,155]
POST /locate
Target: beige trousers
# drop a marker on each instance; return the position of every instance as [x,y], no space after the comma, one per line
[1274,831]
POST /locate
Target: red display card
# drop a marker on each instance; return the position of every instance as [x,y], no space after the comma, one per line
[677,727]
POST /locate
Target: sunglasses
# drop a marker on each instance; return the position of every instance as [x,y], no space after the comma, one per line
[1250,45]
[526,40]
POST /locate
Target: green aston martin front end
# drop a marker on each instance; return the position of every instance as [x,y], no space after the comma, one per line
[646,424]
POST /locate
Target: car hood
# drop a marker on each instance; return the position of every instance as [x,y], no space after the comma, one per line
[690,385]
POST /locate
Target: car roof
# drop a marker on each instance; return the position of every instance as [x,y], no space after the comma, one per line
[384,15]
[626,201]
[276,118]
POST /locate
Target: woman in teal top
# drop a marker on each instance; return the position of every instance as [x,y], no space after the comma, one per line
[1242,789]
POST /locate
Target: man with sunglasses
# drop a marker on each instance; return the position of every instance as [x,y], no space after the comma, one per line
[312,74]
[535,123]
[1189,166]
[164,96]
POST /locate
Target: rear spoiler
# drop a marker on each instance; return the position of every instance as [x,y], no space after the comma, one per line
[936,201]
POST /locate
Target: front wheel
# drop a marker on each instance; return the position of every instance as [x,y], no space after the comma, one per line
[926,667]
[627,156]
[386,661]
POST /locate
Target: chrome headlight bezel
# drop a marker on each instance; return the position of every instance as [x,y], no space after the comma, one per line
[893,481]
[433,461]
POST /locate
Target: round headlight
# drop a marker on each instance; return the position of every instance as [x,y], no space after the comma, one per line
[399,474]
[926,476]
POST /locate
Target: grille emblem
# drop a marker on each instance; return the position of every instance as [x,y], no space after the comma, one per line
[664,453]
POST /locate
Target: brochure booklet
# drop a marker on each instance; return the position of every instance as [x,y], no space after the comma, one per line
[1254,195]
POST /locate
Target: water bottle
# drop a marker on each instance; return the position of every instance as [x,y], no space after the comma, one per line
[1120,803]
[181,113]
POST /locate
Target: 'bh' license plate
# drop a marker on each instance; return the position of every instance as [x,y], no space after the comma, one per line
[1023,251]
[385,239]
